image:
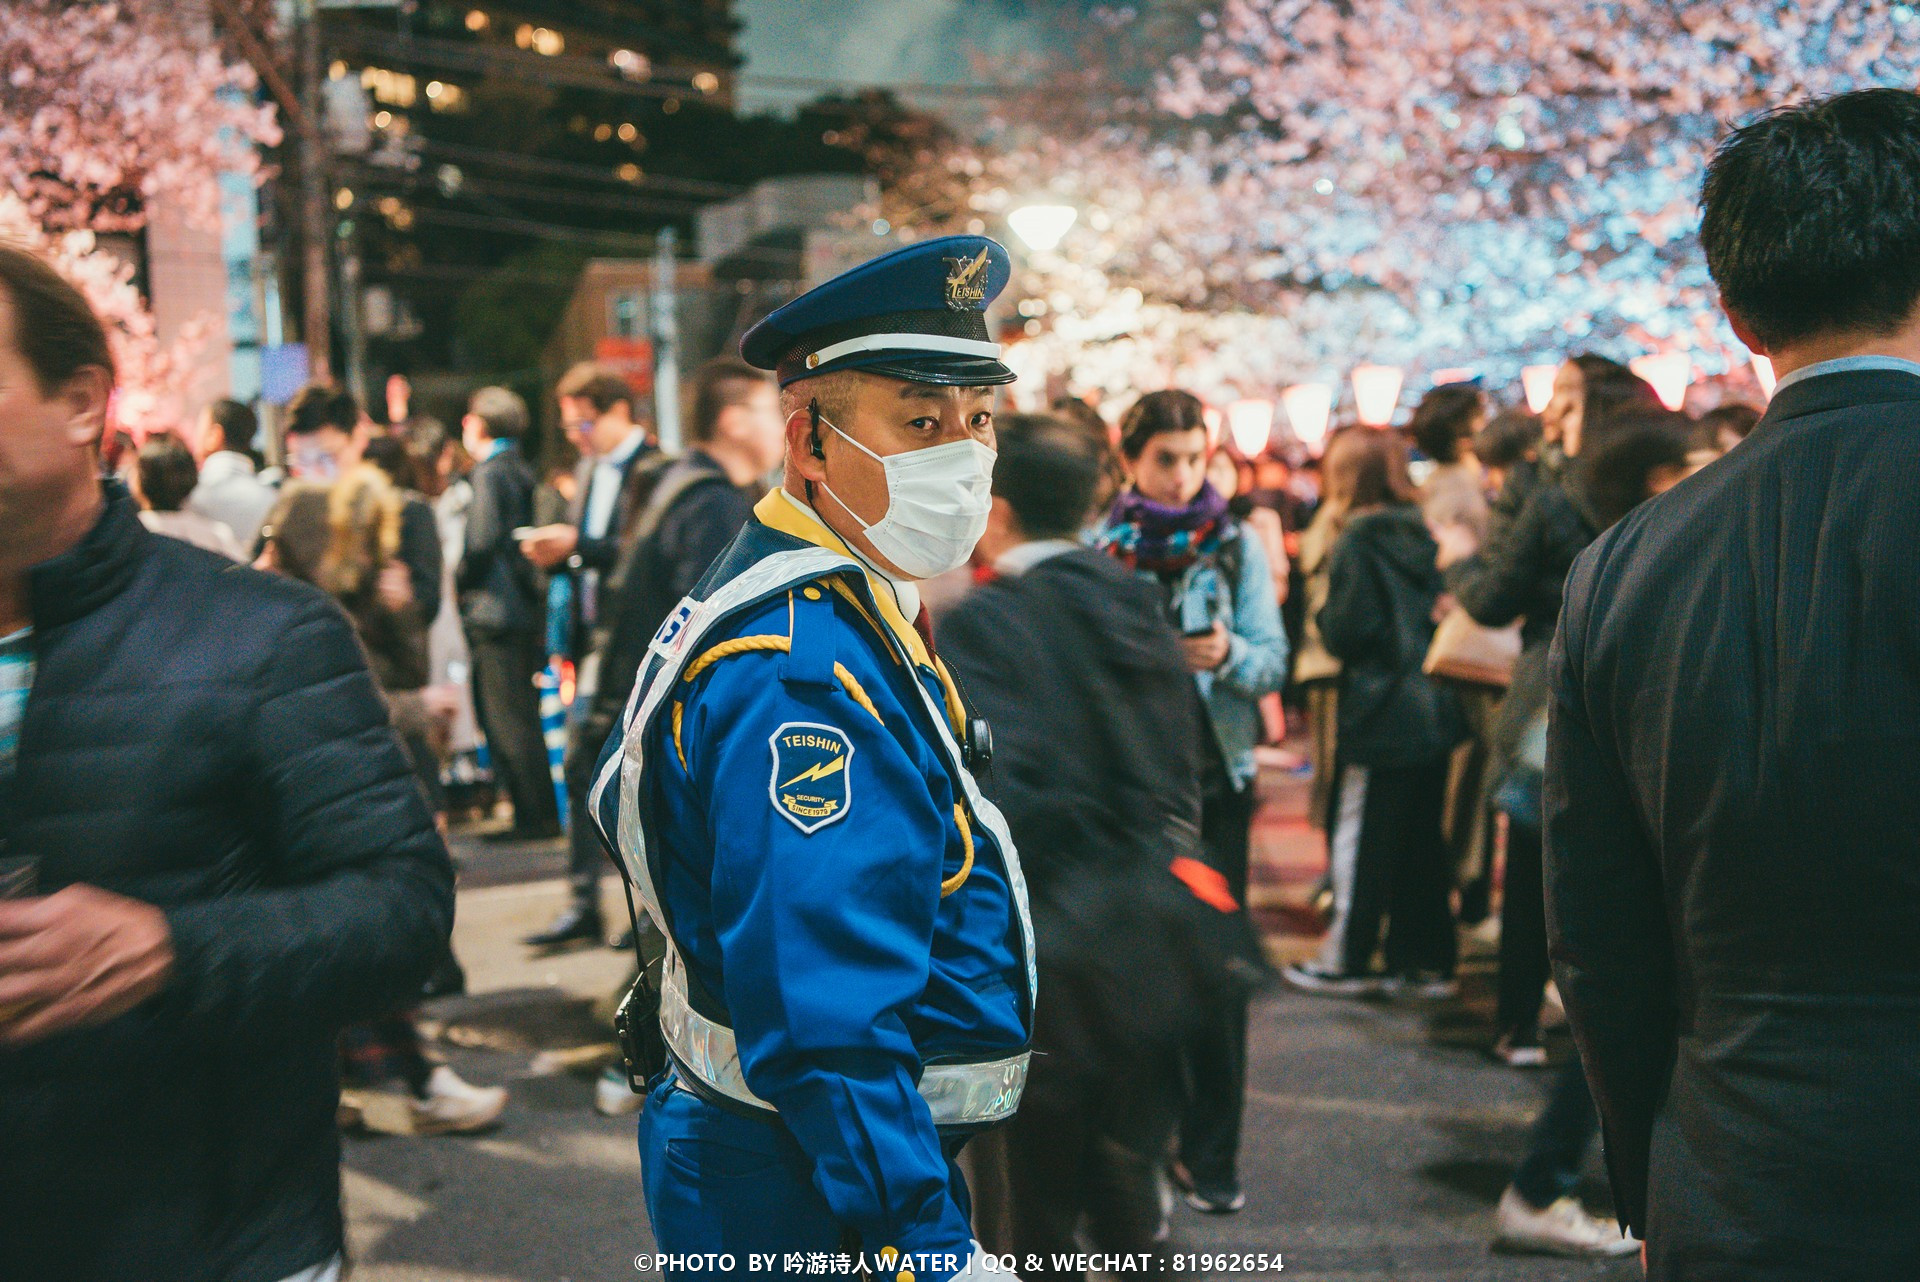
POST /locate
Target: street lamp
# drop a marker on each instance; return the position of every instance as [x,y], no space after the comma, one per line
[1308,406]
[1376,392]
[1041,227]
[1251,423]
[1668,372]
[1538,380]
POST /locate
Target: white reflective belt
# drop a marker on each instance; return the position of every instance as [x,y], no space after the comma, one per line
[956,1094]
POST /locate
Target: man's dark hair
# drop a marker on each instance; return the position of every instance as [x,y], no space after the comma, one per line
[167,472]
[238,424]
[54,327]
[1510,437]
[504,413]
[319,405]
[598,385]
[1443,419]
[1156,414]
[1047,473]
[1811,217]
[718,386]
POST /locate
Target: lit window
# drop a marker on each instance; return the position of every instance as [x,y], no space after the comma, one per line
[449,97]
[707,82]
[670,106]
[477,20]
[543,40]
[337,70]
[394,88]
[433,88]
[628,172]
[602,132]
[381,119]
[343,199]
[628,132]
[634,66]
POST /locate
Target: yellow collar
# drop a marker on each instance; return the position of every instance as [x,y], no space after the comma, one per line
[780,511]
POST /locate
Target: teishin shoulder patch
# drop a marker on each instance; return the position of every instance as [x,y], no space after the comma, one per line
[812,783]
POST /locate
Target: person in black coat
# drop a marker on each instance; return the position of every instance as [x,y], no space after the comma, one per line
[1733,766]
[1520,575]
[695,507]
[224,853]
[1397,728]
[1072,660]
[504,611]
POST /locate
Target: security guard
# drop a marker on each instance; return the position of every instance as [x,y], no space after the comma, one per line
[849,983]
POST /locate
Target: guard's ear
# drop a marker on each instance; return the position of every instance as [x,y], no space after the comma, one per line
[805,452]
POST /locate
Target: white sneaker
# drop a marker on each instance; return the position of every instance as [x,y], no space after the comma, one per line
[1565,1228]
[455,1107]
[1312,977]
[1421,985]
[614,1097]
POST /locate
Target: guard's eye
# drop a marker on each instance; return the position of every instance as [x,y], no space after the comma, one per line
[927,424]
[983,420]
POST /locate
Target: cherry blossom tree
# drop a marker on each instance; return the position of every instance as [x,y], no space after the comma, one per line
[112,107]
[108,111]
[1310,183]
[150,391]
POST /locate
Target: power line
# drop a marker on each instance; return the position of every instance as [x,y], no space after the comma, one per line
[534,228]
[673,206]
[575,169]
[568,71]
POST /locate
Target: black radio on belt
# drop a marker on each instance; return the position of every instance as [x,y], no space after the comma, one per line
[636,1028]
[977,752]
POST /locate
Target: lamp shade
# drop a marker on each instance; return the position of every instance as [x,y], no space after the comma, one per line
[1538,382]
[1448,377]
[1376,393]
[1250,422]
[1041,227]
[1308,407]
[1763,370]
[1668,372]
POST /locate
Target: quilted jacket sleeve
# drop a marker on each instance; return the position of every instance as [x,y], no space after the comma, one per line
[355,898]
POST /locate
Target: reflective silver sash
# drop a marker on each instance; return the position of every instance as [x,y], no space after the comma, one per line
[973,1094]
[957,1094]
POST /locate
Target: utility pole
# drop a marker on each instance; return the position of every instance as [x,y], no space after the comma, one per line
[316,222]
[666,343]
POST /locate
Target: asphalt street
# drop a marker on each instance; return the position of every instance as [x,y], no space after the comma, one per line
[1378,1136]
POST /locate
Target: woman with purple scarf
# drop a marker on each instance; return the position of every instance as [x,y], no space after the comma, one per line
[1170,525]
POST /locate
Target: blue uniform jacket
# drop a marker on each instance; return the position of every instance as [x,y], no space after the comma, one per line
[799,838]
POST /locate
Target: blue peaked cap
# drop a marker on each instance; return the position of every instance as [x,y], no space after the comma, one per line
[918,313]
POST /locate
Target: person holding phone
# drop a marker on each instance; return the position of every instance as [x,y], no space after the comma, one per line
[1171,525]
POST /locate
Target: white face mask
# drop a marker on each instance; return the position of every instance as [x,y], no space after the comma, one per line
[937,504]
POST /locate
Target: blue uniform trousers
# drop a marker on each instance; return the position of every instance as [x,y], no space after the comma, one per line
[716,1182]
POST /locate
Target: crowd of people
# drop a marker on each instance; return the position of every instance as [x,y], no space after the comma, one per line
[1137,573]
[224,794]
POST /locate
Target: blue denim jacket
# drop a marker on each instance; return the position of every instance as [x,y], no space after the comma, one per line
[1256,663]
